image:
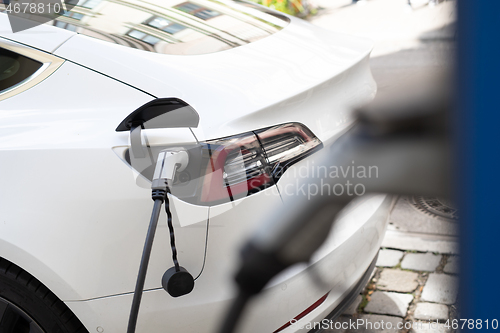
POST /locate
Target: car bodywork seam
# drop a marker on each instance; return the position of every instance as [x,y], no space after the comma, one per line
[206,246]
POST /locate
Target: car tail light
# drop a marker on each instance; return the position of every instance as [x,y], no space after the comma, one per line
[287,144]
[236,168]
[231,168]
[241,165]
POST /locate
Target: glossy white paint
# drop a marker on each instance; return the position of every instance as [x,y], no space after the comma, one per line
[43,37]
[72,213]
[83,233]
[317,79]
[287,295]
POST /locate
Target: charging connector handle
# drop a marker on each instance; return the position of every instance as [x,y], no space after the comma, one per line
[168,163]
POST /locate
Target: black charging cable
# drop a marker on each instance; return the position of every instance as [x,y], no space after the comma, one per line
[177,281]
[159,196]
[172,235]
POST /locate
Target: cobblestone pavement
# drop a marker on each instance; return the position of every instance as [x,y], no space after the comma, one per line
[415,280]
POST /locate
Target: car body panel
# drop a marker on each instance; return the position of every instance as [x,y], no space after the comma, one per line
[351,246]
[83,234]
[71,208]
[320,76]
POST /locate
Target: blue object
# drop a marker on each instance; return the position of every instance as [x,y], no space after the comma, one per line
[478,178]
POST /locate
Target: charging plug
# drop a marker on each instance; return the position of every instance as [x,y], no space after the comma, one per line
[177,281]
[168,163]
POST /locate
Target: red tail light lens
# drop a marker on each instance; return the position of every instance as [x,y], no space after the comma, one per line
[231,168]
[241,165]
[236,168]
[287,144]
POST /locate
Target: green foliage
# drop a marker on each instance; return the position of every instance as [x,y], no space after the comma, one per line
[300,8]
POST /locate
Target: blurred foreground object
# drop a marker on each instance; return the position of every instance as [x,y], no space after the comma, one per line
[405,135]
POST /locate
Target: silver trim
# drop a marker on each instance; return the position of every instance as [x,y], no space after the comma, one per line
[50,64]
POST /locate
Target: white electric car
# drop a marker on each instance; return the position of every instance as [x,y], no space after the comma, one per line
[269,91]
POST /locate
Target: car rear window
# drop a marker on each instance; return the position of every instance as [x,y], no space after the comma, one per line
[182,28]
[15,68]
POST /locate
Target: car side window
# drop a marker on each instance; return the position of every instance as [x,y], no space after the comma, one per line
[15,68]
[23,67]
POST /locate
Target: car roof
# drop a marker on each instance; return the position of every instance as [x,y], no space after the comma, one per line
[176,27]
[43,37]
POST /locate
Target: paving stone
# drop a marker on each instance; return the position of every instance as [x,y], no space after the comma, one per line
[432,327]
[440,288]
[389,258]
[420,242]
[353,308]
[396,280]
[431,311]
[452,265]
[421,261]
[389,303]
